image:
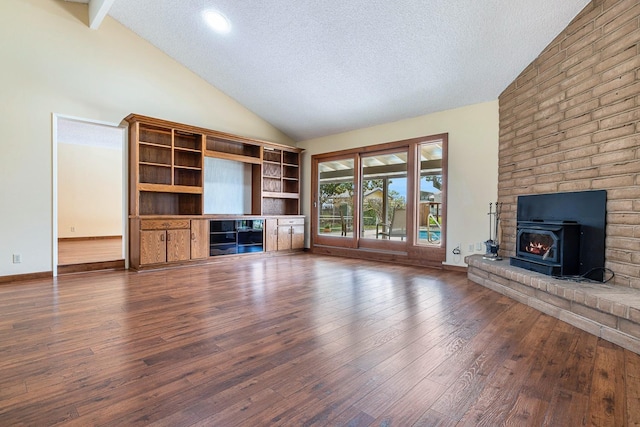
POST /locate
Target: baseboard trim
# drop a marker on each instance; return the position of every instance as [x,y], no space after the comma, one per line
[79,239]
[28,276]
[451,267]
[91,266]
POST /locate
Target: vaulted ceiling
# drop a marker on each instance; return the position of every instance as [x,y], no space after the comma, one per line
[319,67]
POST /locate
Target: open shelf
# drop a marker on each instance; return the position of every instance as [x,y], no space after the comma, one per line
[157,203]
[280,206]
[155,135]
[155,174]
[237,148]
[187,141]
[154,153]
[191,159]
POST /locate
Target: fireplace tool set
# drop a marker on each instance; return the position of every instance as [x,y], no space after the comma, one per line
[495,233]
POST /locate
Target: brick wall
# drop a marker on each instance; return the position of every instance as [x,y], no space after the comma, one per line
[571,122]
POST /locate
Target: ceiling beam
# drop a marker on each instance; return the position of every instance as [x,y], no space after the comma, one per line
[98,10]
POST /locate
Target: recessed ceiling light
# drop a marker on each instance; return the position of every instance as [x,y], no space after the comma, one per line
[217,21]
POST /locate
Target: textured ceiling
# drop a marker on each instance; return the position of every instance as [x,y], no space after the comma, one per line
[319,67]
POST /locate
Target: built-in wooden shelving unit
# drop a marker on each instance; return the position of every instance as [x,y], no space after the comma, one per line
[166,178]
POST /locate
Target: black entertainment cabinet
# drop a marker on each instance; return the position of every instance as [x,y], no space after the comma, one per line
[236,236]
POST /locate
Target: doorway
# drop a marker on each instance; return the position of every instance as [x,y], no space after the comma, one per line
[89,169]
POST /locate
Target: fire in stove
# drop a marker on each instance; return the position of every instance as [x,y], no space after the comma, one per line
[539,246]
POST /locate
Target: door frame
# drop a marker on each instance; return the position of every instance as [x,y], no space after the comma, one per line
[55,117]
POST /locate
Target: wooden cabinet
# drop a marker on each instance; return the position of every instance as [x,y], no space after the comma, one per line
[199,238]
[153,246]
[160,246]
[284,234]
[271,234]
[178,245]
[164,241]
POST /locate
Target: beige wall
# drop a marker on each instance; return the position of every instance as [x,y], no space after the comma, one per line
[473,165]
[53,63]
[89,191]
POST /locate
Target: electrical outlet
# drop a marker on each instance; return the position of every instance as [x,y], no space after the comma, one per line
[479,246]
[470,247]
[73,229]
[17,258]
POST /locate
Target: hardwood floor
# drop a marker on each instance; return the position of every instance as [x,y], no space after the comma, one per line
[297,341]
[79,251]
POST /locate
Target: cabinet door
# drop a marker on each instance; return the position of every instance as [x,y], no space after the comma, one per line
[153,247]
[199,238]
[297,237]
[271,235]
[178,245]
[284,237]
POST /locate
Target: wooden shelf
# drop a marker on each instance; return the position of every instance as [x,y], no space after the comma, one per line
[160,188]
[280,195]
[166,160]
[280,182]
[235,157]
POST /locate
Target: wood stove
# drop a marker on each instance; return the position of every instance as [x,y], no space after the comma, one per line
[562,234]
[549,247]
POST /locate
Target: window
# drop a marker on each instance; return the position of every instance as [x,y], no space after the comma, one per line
[335,198]
[387,199]
[430,198]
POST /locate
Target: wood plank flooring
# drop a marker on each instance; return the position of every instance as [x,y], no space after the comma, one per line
[299,340]
[79,251]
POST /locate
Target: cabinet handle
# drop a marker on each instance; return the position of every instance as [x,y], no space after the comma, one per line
[275,231]
[162,237]
[193,236]
[168,237]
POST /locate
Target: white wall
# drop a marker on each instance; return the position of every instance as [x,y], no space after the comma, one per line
[473,166]
[227,187]
[53,63]
[89,191]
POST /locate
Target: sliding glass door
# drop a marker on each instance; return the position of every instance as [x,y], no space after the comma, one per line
[384,195]
[388,199]
[431,196]
[335,206]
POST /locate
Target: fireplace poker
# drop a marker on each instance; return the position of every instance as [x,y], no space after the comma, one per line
[489,214]
[493,244]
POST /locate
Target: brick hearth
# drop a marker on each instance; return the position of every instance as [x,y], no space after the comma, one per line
[607,311]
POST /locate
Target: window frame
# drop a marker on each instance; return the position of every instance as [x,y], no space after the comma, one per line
[410,248]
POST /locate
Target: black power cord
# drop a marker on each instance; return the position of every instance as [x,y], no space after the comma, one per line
[585,277]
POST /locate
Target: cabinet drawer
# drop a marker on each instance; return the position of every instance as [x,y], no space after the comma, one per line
[169,224]
[290,221]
